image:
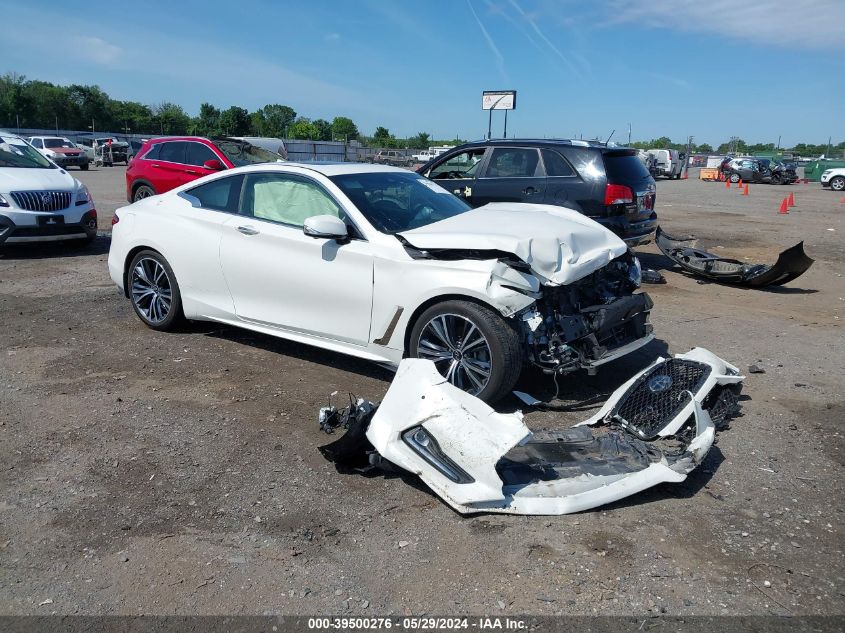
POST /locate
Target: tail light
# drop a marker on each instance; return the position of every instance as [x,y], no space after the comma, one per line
[114,219]
[618,194]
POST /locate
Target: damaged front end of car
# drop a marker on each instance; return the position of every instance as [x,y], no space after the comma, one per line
[655,428]
[589,322]
[570,324]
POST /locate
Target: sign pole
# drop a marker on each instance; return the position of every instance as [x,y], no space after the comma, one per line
[506,124]
[490,124]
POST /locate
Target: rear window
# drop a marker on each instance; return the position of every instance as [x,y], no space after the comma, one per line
[624,168]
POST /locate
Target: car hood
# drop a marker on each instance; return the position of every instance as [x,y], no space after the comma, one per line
[560,245]
[19,179]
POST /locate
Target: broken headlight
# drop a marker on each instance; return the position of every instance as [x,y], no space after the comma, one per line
[635,272]
[424,445]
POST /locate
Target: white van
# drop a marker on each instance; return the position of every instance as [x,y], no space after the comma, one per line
[667,163]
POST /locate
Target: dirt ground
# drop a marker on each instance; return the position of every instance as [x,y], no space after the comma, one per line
[153,473]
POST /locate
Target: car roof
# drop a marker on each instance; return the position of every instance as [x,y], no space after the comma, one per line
[327,168]
[543,142]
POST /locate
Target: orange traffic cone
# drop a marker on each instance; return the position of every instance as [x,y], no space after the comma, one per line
[739,184]
[791,200]
[727,184]
[843,200]
[745,191]
[783,207]
[686,175]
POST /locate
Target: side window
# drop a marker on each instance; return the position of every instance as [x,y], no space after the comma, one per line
[152,153]
[221,194]
[36,142]
[286,199]
[173,152]
[512,162]
[462,165]
[199,153]
[556,164]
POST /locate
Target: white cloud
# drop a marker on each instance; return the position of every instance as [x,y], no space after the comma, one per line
[530,19]
[805,24]
[500,60]
[96,50]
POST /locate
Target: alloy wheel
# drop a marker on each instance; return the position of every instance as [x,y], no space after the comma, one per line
[459,350]
[152,293]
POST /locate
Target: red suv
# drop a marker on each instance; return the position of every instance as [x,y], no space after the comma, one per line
[165,163]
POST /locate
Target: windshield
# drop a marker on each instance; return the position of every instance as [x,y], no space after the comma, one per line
[15,152]
[396,201]
[57,142]
[240,153]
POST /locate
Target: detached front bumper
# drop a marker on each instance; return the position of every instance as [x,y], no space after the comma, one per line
[70,161]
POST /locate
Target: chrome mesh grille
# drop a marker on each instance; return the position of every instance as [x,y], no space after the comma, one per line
[659,395]
[42,200]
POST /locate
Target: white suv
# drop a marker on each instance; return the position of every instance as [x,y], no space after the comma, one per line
[39,201]
[60,150]
[834,178]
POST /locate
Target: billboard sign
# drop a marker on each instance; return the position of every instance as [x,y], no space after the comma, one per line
[498,100]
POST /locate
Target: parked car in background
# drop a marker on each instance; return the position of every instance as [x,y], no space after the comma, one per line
[116,151]
[609,184]
[392,157]
[133,148]
[758,170]
[60,150]
[381,263]
[40,202]
[667,163]
[169,162]
[834,178]
[423,156]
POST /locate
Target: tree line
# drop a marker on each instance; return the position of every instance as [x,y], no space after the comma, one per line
[39,104]
[739,146]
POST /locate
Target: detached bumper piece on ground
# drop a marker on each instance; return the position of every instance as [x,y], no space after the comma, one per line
[791,263]
[655,428]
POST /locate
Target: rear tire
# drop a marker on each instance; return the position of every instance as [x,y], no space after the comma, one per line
[154,291]
[84,167]
[144,191]
[472,346]
[837,183]
[734,177]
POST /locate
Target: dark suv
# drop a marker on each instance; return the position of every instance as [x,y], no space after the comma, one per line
[606,183]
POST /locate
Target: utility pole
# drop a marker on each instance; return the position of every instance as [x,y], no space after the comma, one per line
[629,135]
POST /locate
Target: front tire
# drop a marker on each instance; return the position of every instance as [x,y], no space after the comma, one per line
[837,183]
[471,346]
[84,167]
[734,177]
[154,291]
[144,191]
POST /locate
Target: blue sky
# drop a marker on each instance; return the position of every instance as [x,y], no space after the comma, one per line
[707,68]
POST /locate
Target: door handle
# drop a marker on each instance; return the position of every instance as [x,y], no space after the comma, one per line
[528,191]
[191,171]
[248,230]
[156,166]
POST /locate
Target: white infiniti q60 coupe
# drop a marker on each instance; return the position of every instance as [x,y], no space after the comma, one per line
[381,263]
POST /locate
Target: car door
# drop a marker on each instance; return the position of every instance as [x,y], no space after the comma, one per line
[563,185]
[511,174]
[457,172]
[167,169]
[195,158]
[280,277]
[200,228]
[747,170]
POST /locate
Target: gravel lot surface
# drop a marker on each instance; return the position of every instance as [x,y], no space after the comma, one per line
[153,473]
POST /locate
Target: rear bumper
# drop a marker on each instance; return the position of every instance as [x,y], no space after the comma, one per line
[634,233]
[11,233]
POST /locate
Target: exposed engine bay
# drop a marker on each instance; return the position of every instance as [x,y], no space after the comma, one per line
[589,322]
[657,427]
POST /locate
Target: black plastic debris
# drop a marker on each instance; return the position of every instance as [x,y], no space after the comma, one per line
[790,264]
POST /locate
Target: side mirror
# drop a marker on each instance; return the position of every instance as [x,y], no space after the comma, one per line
[214,165]
[329,227]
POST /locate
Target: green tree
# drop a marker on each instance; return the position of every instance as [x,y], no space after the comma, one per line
[303,128]
[273,120]
[234,121]
[343,128]
[704,148]
[420,141]
[208,121]
[323,129]
[169,118]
